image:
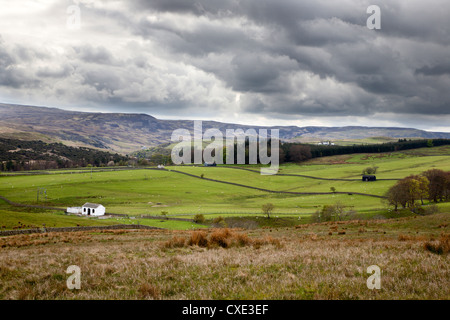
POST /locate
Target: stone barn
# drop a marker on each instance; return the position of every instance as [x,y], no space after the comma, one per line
[92,209]
[369,177]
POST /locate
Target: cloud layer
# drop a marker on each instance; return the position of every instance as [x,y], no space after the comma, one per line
[285,61]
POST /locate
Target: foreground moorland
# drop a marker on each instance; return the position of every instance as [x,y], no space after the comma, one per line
[311,261]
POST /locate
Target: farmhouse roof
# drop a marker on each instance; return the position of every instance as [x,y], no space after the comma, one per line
[91,205]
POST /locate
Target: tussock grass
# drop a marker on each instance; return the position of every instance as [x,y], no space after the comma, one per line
[220,238]
[147,291]
[441,246]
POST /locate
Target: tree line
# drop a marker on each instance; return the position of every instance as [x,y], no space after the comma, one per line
[298,152]
[294,152]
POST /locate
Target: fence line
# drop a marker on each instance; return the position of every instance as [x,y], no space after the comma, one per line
[75,229]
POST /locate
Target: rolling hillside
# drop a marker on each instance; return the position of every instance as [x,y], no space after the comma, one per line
[126,133]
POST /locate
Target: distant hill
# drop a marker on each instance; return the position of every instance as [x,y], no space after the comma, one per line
[126,133]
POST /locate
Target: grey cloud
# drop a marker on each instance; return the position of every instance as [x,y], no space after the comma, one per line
[11,74]
[99,55]
[436,70]
[259,73]
[101,79]
[58,72]
[284,58]
[349,52]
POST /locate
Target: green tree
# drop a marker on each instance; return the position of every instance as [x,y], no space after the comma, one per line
[267,209]
[407,191]
[439,181]
[370,170]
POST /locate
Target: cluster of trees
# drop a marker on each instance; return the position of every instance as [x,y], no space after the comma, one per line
[17,155]
[433,185]
[333,212]
[155,159]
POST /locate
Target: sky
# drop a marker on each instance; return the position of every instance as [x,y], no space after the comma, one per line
[255,62]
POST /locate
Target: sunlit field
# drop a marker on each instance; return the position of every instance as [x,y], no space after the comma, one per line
[155,192]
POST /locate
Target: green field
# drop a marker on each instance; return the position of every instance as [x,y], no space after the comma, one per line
[151,192]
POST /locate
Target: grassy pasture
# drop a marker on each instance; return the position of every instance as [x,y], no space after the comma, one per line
[150,192]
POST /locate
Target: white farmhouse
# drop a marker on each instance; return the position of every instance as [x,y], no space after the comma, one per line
[74,210]
[93,209]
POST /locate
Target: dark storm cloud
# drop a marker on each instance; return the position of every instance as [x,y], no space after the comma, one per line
[378,72]
[436,70]
[278,59]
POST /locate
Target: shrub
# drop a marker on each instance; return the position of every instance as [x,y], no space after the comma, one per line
[441,246]
[242,239]
[198,238]
[175,242]
[221,238]
[370,170]
[149,291]
[199,218]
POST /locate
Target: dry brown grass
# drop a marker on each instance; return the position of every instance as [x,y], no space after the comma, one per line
[289,263]
[220,238]
[147,291]
[407,237]
[441,246]
[198,238]
[175,242]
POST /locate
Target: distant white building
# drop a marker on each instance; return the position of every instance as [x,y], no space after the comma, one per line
[325,143]
[93,209]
